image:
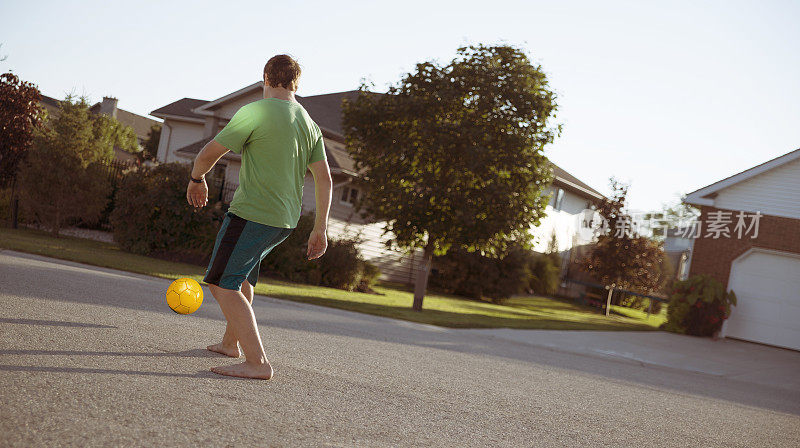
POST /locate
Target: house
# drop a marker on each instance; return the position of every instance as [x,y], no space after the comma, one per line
[190,123]
[141,125]
[749,239]
[678,249]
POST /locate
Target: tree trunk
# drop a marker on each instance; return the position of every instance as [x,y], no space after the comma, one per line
[421,282]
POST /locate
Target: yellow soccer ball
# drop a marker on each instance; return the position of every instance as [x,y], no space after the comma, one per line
[184,296]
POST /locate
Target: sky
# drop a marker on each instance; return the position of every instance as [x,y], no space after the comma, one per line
[666,96]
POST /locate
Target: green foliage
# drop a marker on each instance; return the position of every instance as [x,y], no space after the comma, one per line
[151,213]
[58,189]
[341,267]
[520,270]
[698,306]
[150,149]
[545,270]
[20,116]
[623,258]
[288,260]
[446,144]
[92,137]
[369,275]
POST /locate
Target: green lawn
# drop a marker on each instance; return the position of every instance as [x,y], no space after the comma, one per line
[392,301]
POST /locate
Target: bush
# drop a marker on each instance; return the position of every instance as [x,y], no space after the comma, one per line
[698,306]
[288,260]
[544,274]
[151,213]
[519,271]
[57,188]
[340,267]
[369,275]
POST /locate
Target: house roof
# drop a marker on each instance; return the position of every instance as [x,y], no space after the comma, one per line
[338,159]
[326,111]
[182,108]
[566,179]
[705,195]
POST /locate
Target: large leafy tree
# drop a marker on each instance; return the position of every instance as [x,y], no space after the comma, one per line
[622,258]
[63,178]
[20,116]
[452,155]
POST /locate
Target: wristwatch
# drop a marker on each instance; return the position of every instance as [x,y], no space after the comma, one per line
[197,181]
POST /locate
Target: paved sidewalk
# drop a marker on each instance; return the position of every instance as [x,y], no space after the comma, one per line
[743,361]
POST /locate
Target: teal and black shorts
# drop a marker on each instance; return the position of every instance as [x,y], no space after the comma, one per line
[239,249]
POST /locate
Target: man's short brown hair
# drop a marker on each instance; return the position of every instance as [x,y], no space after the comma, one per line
[282,71]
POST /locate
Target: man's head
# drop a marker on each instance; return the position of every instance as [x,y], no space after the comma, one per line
[282,71]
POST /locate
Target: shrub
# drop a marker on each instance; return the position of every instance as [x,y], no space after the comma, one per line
[341,266]
[151,213]
[57,188]
[698,306]
[288,260]
[464,273]
[471,274]
[544,274]
[369,275]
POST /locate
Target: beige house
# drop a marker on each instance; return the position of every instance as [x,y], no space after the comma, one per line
[190,123]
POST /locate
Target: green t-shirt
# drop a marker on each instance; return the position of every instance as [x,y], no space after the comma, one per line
[277,140]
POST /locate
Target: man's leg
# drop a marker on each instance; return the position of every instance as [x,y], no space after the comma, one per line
[230,344]
[239,314]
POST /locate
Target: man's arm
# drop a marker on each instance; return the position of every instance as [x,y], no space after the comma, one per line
[197,193]
[318,240]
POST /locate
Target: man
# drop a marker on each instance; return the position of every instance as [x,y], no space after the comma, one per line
[278,142]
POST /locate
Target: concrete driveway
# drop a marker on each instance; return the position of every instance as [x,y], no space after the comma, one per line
[93,357]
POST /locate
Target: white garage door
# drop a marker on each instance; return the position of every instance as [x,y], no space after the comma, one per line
[767,287]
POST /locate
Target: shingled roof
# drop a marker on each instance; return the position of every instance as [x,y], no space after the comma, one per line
[181,108]
[571,181]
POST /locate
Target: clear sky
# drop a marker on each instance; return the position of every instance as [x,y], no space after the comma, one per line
[667,95]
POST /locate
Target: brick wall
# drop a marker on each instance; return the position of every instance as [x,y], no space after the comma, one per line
[714,256]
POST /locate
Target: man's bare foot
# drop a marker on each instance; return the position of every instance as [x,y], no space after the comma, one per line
[233,352]
[246,370]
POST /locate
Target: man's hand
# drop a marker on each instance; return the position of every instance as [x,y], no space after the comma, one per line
[317,244]
[197,193]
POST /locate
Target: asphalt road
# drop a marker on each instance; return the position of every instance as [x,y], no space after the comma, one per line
[93,357]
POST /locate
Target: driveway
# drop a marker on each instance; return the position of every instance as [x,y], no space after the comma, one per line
[93,357]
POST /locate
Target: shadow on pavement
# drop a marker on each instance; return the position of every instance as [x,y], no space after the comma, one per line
[195,353]
[52,323]
[82,370]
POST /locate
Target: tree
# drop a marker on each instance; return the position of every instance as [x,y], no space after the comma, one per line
[20,116]
[453,155]
[622,258]
[92,137]
[150,150]
[63,178]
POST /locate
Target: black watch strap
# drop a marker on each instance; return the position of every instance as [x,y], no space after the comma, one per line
[197,181]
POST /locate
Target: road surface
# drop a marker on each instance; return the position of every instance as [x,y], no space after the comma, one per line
[93,357]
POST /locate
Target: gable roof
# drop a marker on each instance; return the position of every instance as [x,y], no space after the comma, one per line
[326,110]
[184,107]
[705,195]
[338,159]
[140,124]
[568,180]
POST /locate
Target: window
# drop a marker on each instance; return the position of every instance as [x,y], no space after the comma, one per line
[349,196]
[559,198]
